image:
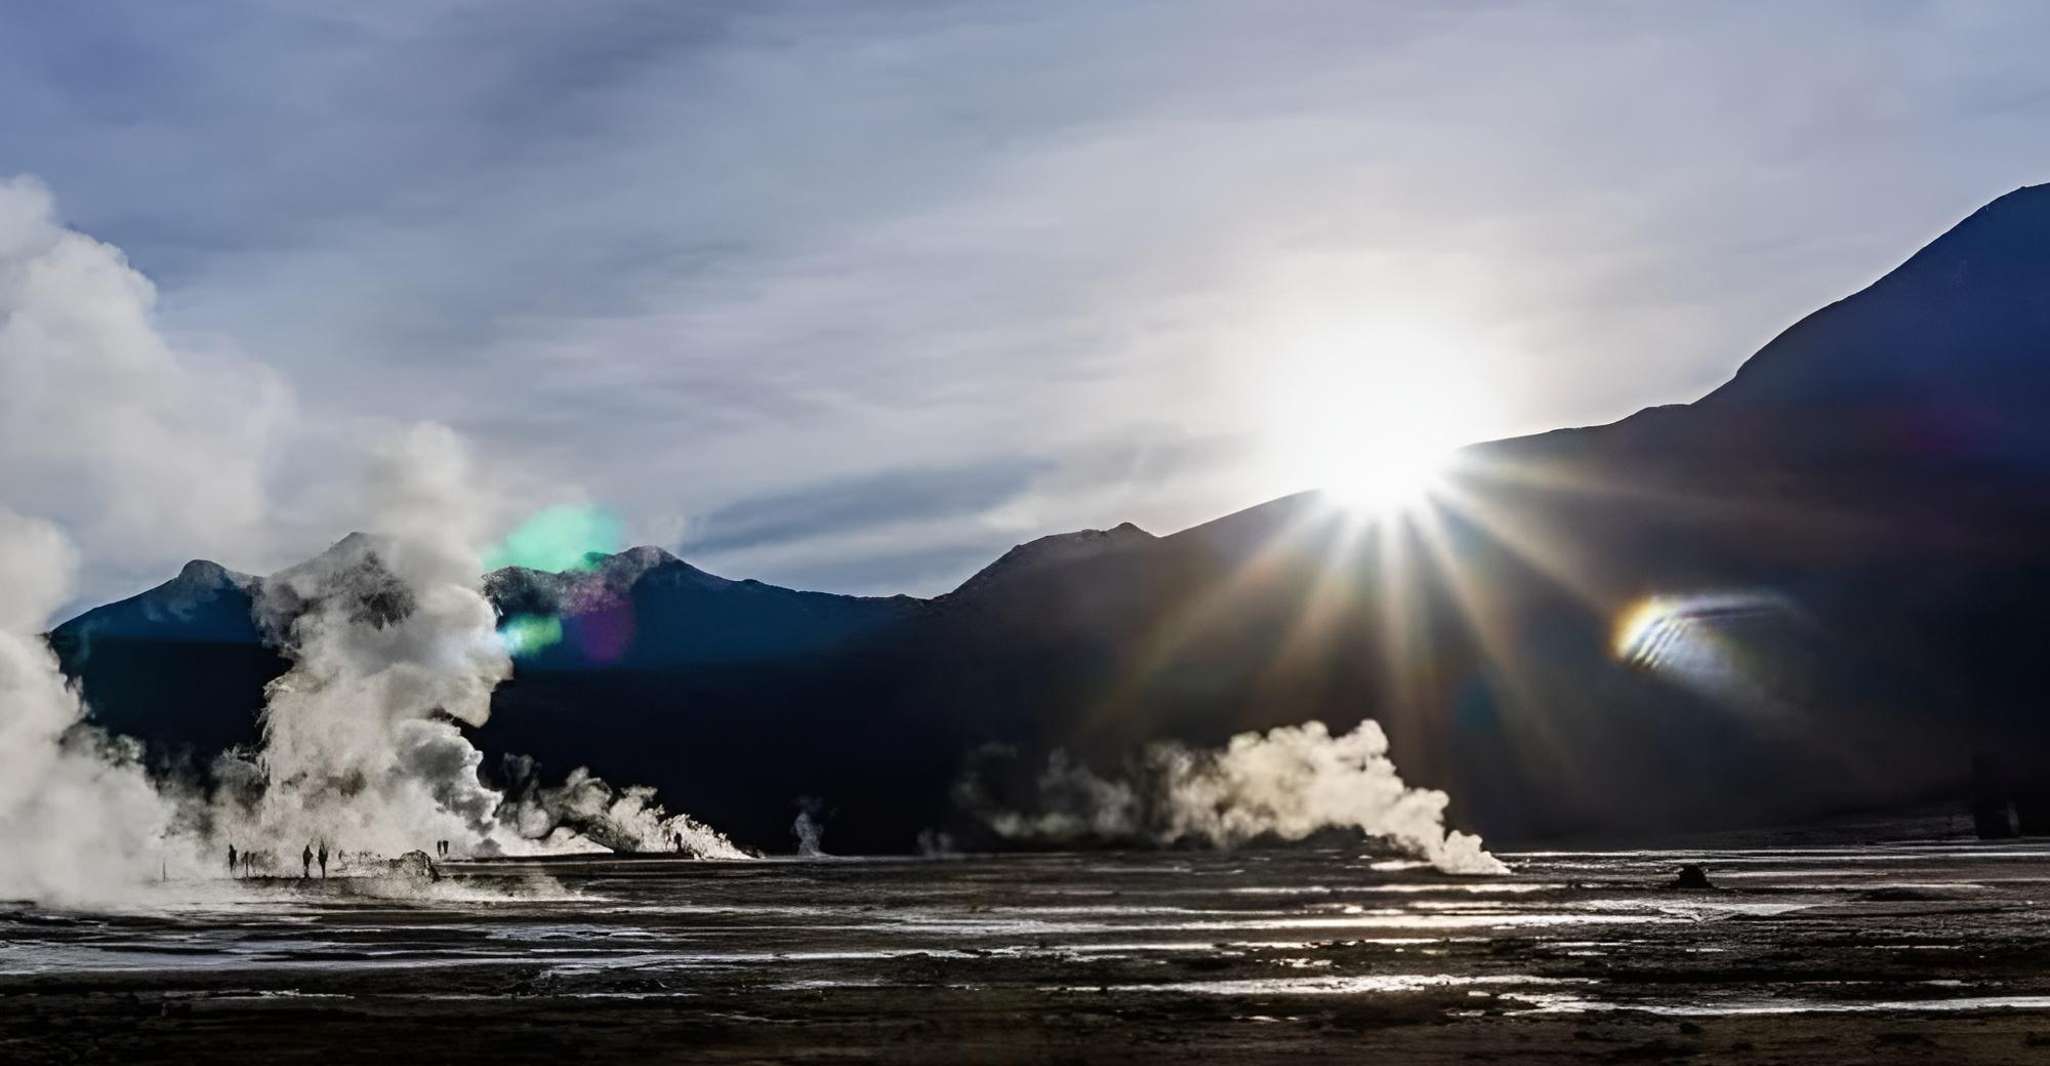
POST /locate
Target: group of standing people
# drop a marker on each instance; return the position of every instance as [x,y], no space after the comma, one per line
[247,860]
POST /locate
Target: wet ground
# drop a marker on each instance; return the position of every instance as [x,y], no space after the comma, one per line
[1934,952]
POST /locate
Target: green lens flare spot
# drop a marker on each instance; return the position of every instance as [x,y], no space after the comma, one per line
[559,538]
[525,634]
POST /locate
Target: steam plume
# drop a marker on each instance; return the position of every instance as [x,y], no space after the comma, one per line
[585,813]
[149,453]
[138,450]
[394,648]
[809,828]
[143,453]
[1289,782]
[391,647]
[80,824]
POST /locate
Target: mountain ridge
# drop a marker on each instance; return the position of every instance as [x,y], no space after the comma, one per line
[1875,468]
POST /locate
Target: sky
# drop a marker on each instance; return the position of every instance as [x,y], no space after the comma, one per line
[854,297]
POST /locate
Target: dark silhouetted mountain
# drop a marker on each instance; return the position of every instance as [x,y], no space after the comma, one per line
[646,609]
[1850,541]
[1060,549]
[205,602]
[180,667]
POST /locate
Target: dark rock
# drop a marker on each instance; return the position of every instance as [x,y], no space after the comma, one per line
[414,866]
[1692,877]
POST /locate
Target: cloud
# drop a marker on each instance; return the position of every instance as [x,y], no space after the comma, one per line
[696,258]
[860,503]
[148,452]
[920,530]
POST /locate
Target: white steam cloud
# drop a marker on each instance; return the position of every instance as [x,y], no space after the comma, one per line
[80,824]
[392,646]
[144,453]
[1289,782]
[140,452]
[147,453]
[394,649]
[586,811]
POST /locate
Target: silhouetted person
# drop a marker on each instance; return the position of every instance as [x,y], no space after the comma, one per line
[323,860]
[306,862]
[231,860]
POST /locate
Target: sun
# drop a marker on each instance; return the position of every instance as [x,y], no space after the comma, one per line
[1384,479]
[1372,415]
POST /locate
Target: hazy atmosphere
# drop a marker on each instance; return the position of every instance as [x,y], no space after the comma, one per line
[854,300]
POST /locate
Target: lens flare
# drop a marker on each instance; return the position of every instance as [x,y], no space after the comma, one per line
[525,634]
[1664,631]
[563,538]
[559,538]
[1635,629]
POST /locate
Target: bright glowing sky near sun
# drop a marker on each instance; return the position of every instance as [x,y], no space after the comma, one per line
[856,299]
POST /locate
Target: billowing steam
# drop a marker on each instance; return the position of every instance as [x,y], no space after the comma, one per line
[114,438]
[143,453]
[585,813]
[1287,783]
[148,453]
[394,648]
[80,824]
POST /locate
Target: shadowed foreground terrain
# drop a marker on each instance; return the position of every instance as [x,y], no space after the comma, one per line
[1910,952]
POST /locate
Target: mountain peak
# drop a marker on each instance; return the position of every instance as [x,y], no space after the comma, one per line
[1957,330]
[347,553]
[207,574]
[2007,234]
[602,579]
[1055,550]
[637,560]
[351,543]
[354,552]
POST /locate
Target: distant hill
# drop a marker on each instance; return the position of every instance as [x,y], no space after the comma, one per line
[1871,486]
[646,609]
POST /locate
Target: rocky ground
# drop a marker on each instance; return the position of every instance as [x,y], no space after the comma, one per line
[1922,953]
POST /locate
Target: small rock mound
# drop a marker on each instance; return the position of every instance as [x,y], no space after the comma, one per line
[413,866]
